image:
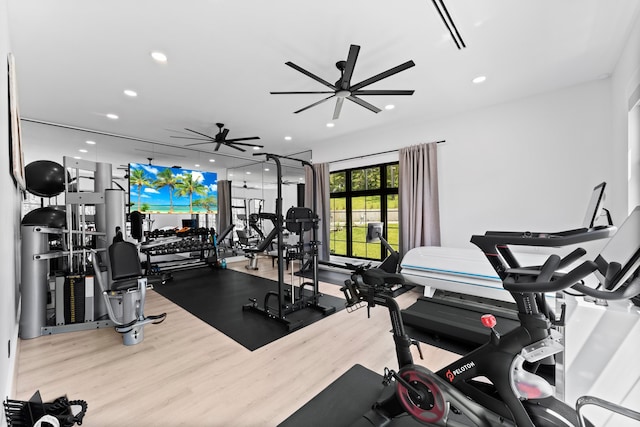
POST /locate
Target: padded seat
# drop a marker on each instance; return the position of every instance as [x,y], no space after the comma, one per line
[126,268]
[379,277]
[125,297]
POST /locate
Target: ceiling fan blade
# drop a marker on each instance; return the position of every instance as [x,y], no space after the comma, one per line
[299,93]
[382,92]
[176,131]
[237,148]
[242,139]
[248,145]
[314,104]
[336,111]
[199,133]
[383,75]
[198,143]
[365,104]
[348,69]
[313,76]
[217,146]
[190,137]
[223,134]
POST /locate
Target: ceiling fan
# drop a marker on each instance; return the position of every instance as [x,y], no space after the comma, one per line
[220,138]
[245,186]
[344,89]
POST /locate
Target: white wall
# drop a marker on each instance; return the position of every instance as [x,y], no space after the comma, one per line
[10,243]
[625,90]
[529,164]
[634,156]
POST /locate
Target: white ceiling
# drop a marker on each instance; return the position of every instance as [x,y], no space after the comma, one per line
[75,59]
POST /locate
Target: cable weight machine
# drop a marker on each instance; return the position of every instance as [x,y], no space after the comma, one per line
[287,304]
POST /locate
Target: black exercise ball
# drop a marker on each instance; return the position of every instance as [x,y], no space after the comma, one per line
[47,216]
[44,178]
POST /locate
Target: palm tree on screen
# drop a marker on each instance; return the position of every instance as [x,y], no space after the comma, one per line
[189,186]
[137,178]
[208,203]
[166,178]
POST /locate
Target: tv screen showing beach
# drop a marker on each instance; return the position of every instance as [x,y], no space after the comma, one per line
[160,189]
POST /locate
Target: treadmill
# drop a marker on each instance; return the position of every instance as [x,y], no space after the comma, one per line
[456,317]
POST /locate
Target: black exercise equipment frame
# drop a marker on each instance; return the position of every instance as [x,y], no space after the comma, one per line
[455,383]
[303,301]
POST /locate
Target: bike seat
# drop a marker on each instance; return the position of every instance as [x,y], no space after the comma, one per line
[379,277]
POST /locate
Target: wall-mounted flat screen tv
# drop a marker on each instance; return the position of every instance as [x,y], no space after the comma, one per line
[160,189]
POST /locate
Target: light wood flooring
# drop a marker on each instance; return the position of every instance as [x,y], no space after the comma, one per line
[186,373]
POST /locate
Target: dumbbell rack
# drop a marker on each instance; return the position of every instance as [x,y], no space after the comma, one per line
[194,241]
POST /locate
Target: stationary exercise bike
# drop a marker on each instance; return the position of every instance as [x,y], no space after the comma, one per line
[458,394]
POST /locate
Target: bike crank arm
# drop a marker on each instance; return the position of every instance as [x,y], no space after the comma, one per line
[390,373]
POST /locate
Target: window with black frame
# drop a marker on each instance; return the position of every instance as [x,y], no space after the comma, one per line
[360,196]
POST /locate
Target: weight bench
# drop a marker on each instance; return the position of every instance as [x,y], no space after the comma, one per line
[252,250]
[125,297]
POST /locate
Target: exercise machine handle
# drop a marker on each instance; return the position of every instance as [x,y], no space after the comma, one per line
[622,293]
[566,281]
[610,406]
[572,257]
[548,269]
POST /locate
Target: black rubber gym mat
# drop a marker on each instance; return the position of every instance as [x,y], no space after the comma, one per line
[344,401]
[216,297]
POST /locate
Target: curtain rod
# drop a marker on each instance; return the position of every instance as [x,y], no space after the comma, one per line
[374,154]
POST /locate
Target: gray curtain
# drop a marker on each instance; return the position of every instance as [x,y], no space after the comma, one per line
[322,204]
[224,205]
[418,195]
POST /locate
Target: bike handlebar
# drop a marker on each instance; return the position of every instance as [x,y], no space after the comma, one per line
[566,281]
[623,292]
[548,269]
[545,283]
[574,256]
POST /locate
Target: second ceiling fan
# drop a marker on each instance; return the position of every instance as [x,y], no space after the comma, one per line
[344,89]
[219,139]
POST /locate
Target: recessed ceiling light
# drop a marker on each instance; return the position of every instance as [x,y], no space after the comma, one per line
[197,165]
[91,142]
[212,160]
[248,172]
[82,150]
[77,157]
[389,107]
[266,169]
[230,174]
[287,138]
[159,57]
[330,125]
[256,148]
[112,116]
[479,79]
[131,93]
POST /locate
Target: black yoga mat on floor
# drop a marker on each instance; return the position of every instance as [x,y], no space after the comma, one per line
[217,296]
